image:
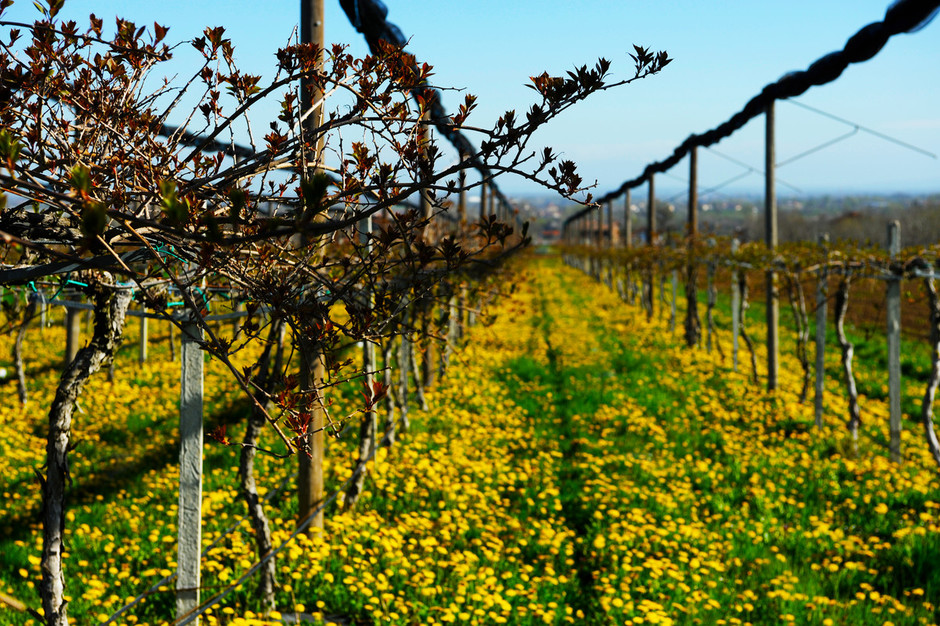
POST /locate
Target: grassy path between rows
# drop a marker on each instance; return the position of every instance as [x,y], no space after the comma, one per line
[697,498]
[577,465]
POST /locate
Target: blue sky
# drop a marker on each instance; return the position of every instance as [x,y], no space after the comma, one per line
[724,52]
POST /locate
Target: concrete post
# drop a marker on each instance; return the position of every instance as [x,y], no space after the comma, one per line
[190,496]
[893,310]
[770,223]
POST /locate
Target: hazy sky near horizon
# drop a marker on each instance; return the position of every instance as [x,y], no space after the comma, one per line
[724,51]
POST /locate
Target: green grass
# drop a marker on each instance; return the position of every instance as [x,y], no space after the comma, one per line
[578,465]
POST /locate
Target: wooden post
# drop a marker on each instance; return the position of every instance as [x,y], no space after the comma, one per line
[593,220]
[142,352]
[651,241]
[424,194]
[588,228]
[770,224]
[190,496]
[368,348]
[610,224]
[312,359]
[822,298]
[462,200]
[73,331]
[599,222]
[310,477]
[712,292]
[672,305]
[693,327]
[894,344]
[693,193]
[426,211]
[311,32]
[483,214]
[627,222]
[735,309]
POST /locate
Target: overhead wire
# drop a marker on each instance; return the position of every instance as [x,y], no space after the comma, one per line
[859,127]
[902,16]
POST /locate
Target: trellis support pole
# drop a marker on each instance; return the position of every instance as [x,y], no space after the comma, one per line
[693,192]
[190,496]
[627,222]
[822,296]
[893,311]
[73,329]
[735,308]
[610,224]
[770,223]
[142,351]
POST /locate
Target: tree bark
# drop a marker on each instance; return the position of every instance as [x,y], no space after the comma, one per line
[256,420]
[429,360]
[416,372]
[926,410]
[712,291]
[367,434]
[388,438]
[109,315]
[404,364]
[798,306]
[449,313]
[848,350]
[742,289]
